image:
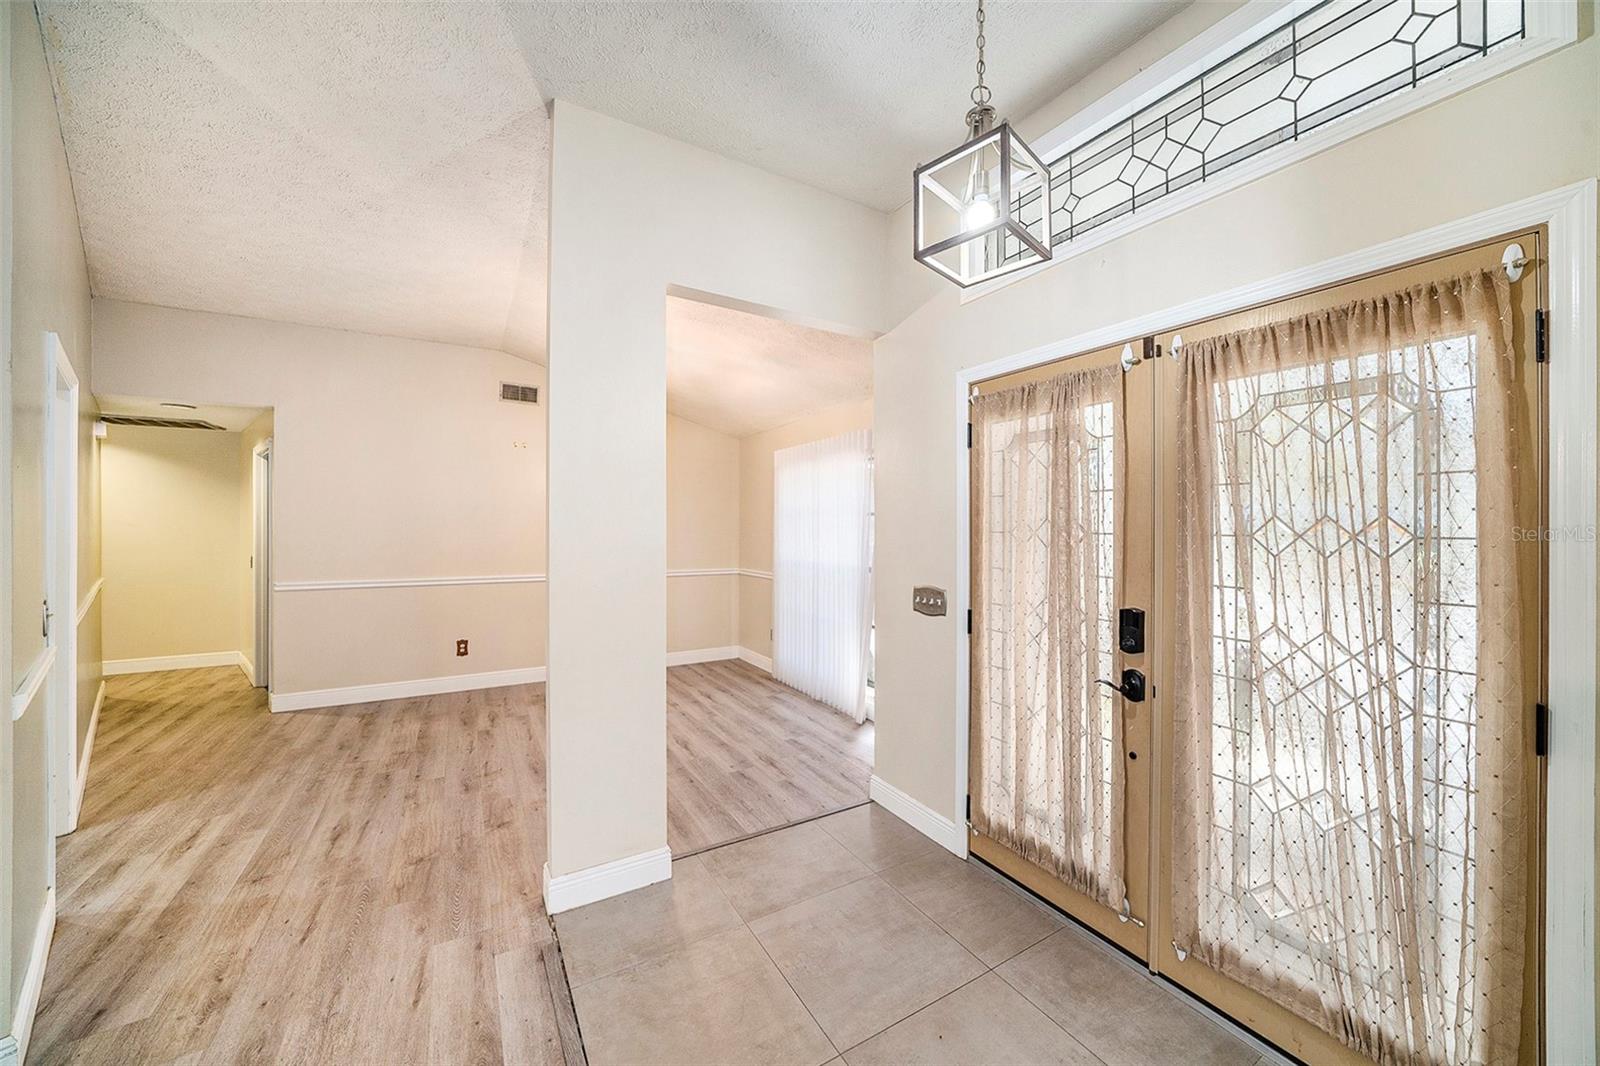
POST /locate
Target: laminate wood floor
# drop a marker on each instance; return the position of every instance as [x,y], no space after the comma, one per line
[363,884]
[353,885]
[746,754]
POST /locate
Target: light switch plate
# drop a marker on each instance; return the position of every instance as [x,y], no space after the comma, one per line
[925,599]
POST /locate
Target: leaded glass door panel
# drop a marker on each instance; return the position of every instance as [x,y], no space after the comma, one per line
[1060,540]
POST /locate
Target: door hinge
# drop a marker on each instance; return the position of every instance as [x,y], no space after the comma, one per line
[1541,341]
[1541,730]
[969,621]
[969,434]
[969,808]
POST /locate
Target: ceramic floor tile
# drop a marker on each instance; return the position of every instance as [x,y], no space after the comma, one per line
[986,1021]
[719,1000]
[614,934]
[770,872]
[862,958]
[1115,1011]
[877,837]
[990,918]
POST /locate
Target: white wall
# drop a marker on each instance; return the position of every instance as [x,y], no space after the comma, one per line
[633,213]
[393,459]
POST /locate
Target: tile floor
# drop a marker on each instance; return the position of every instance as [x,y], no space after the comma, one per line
[854,939]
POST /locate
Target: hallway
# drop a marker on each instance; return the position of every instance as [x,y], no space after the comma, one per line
[353,884]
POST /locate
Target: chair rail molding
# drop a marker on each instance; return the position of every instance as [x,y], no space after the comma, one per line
[406,582]
[32,681]
[89,598]
[338,584]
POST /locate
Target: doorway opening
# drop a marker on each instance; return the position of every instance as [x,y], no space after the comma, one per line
[186,522]
[769,577]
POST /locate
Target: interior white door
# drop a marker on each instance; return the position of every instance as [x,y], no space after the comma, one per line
[261,563]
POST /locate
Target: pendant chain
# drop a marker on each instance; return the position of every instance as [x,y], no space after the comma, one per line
[980,92]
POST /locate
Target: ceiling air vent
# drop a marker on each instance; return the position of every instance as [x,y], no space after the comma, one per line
[160,423]
[519,393]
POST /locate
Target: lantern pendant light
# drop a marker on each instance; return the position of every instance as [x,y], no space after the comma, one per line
[982,210]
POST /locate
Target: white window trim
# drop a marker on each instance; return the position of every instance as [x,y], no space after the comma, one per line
[1571,213]
[1550,25]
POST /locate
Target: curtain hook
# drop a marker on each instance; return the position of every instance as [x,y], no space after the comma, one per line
[1130,358]
[1514,261]
[1177,345]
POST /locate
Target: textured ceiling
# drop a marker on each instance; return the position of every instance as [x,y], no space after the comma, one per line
[847,96]
[740,373]
[372,167]
[382,167]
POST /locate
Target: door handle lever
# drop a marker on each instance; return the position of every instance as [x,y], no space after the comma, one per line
[1131,689]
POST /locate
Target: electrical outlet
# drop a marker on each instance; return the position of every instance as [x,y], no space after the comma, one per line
[461,646]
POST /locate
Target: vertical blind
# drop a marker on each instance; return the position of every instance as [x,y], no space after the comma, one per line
[822,569]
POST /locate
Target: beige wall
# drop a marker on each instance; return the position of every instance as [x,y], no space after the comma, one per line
[755,509]
[702,534]
[1527,132]
[49,291]
[393,459]
[172,553]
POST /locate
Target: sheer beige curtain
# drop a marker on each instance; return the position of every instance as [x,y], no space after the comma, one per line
[1350,783]
[1046,774]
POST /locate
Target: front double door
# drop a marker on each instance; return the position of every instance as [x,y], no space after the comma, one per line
[1256,652]
[1062,517]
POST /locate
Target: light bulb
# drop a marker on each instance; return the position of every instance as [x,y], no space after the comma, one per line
[979,213]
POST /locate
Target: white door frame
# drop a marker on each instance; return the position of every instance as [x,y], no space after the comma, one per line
[61,580]
[261,554]
[1570,212]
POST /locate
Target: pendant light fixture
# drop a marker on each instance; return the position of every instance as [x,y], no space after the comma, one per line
[983,209]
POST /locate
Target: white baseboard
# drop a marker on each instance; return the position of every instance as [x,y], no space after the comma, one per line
[82,779]
[14,1047]
[755,659]
[609,879]
[197,661]
[701,655]
[249,669]
[399,690]
[919,816]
